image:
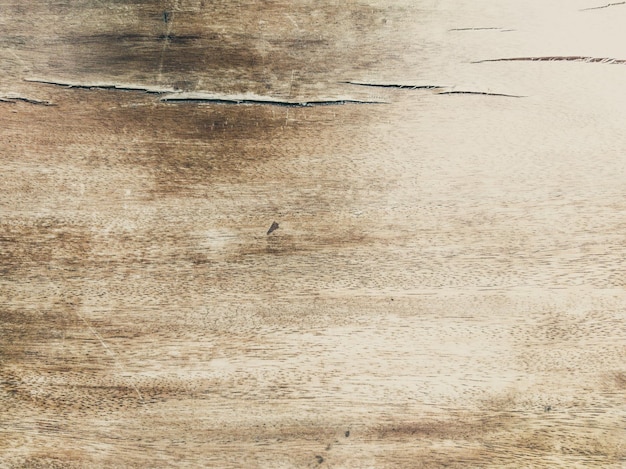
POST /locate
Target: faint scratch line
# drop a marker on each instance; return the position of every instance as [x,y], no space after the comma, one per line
[108,350]
[166,41]
[291,83]
[290,18]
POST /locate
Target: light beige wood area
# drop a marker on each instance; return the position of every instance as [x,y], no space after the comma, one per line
[445,287]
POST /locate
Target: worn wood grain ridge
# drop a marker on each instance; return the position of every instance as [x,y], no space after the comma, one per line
[271,234]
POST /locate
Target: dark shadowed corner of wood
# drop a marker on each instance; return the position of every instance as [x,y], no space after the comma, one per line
[311,234]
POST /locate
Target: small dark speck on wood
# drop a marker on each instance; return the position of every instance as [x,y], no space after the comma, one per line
[166,17]
[274,227]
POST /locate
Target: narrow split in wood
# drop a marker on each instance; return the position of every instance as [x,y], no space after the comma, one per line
[438,89]
[557,58]
[603,6]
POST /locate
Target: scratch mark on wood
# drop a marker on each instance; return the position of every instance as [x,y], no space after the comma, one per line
[109,351]
[290,18]
[167,18]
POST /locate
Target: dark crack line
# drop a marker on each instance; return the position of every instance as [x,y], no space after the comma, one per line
[484,93]
[502,30]
[571,58]
[101,86]
[604,6]
[265,102]
[173,96]
[32,101]
[430,87]
[474,29]
[14,99]
[393,85]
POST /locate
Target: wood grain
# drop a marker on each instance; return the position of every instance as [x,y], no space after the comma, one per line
[312,234]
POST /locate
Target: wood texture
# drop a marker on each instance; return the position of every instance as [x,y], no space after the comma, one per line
[312,234]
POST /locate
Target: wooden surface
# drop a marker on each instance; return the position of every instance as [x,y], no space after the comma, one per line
[445,287]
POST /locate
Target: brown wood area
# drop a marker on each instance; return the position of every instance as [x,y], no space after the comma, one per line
[285,234]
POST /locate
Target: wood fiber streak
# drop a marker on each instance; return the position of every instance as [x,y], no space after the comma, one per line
[199,269]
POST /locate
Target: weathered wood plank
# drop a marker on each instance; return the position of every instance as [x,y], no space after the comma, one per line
[445,286]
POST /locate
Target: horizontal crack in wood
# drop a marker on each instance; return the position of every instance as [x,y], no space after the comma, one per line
[256,99]
[437,88]
[15,99]
[173,96]
[393,85]
[478,29]
[603,6]
[484,93]
[104,86]
[557,58]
